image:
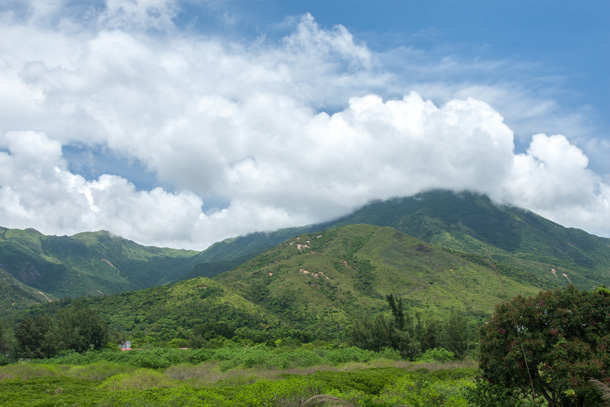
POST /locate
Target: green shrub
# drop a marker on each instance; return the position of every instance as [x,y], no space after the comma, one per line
[352,354]
[26,371]
[158,358]
[200,355]
[421,390]
[437,355]
[98,370]
[178,343]
[139,379]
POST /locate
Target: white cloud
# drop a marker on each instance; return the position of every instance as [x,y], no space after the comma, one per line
[552,179]
[139,14]
[244,123]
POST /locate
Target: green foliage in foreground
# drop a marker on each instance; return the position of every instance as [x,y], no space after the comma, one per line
[115,384]
[228,357]
[548,347]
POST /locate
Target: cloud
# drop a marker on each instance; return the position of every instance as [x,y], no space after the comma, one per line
[552,178]
[38,190]
[285,132]
[139,14]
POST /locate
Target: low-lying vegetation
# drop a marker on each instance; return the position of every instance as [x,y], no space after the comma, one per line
[378,382]
[546,350]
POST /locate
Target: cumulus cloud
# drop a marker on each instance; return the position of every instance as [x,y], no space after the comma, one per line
[288,132]
[552,178]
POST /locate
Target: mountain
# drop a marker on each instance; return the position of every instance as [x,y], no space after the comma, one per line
[319,283]
[35,267]
[532,250]
[465,221]
[344,273]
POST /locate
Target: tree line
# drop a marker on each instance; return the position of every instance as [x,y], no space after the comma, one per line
[412,335]
[75,327]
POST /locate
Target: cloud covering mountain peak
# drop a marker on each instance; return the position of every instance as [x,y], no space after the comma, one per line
[244,136]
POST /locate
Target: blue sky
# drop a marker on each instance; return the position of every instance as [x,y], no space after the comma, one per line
[562,43]
[566,40]
[181,123]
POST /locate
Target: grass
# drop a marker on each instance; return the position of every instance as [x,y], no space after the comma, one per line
[376,383]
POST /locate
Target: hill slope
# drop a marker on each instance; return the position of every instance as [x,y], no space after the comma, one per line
[467,222]
[15,296]
[536,251]
[342,274]
[85,264]
[319,283]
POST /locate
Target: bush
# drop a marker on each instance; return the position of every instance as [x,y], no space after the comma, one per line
[178,343]
[352,354]
[98,370]
[138,380]
[422,390]
[437,355]
[26,371]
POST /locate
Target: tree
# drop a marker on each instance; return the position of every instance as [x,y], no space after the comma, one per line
[75,327]
[36,337]
[397,333]
[3,342]
[456,334]
[5,345]
[80,328]
[398,311]
[432,335]
[549,346]
[372,334]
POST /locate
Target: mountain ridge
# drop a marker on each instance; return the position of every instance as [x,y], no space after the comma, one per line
[464,221]
[89,263]
[534,249]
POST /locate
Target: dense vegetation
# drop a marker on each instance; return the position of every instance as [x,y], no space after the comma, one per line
[124,383]
[39,268]
[548,347]
[414,337]
[75,328]
[544,348]
[342,311]
[313,287]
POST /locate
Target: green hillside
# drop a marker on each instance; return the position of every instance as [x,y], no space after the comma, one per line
[17,296]
[318,283]
[522,245]
[342,274]
[230,253]
[472,223]
[84,264]
[467,222]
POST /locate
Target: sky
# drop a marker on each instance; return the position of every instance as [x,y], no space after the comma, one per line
[179,123]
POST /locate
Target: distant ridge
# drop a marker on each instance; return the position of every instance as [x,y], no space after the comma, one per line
[92,263]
